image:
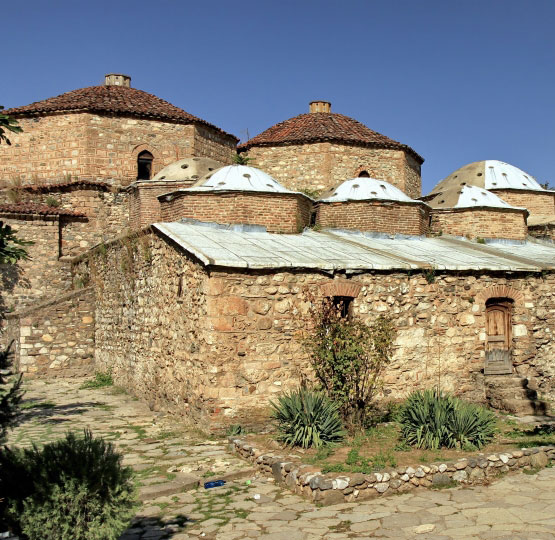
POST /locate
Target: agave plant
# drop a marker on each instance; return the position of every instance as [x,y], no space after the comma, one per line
[431,419]
[307,418]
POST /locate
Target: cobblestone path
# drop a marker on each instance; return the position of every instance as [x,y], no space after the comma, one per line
[159,448]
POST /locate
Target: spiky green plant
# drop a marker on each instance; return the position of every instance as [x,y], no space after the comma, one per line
[307,418]
[430,419]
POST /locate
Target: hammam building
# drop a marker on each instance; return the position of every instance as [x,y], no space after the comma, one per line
[191,278]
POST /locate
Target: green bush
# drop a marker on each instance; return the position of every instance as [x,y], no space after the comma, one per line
[100,381]
[430,419]
[307,418]
[72,489]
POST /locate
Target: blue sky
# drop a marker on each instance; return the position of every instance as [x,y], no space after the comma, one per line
[457,81]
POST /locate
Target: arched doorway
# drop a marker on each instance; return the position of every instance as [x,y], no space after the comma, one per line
[498,336]
[144,165]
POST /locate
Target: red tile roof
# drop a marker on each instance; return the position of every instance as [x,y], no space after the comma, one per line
[112,99]
[62,185]
[34,209]
[318,127]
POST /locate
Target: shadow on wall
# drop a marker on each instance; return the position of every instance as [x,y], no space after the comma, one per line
[11,276]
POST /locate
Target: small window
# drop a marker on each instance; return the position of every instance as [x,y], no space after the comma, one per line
[363,174]
[343,305]
[144,165]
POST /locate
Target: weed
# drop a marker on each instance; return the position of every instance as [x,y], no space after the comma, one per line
[100,380]
[52,201]
[447,485]
[37,405]
[208,474]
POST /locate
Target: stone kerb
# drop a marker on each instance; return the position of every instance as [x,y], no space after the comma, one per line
[333,488]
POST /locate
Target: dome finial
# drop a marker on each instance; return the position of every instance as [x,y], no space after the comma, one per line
[320,106]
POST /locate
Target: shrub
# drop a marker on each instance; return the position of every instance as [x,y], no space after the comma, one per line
[52,201]
[100,381]
[349,357]
[306,418]
[431,419]
[72,489]
[10,397]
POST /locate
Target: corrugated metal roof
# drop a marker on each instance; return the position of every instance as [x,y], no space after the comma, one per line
[345,250]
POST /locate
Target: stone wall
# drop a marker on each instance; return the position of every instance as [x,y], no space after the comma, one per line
[334,488]
[85,145]
[375,216]
[545,232]
[278,212]
[480,223]
[56,338]
[322,166]
[43,275]
[538,203]
[218,344]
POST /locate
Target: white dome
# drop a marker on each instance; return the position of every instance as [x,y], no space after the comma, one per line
[191,168]
[363,188]
[467,197]
[242,178]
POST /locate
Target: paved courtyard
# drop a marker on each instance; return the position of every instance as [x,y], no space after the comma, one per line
[170,460]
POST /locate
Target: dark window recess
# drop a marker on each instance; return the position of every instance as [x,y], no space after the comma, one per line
[342,304]
[363,174]
[312,219]
[144,165]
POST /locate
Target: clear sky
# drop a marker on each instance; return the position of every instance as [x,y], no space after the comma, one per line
[459,81]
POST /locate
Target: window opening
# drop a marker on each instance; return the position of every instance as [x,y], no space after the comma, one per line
[363,174]
[144,165]
[343,305]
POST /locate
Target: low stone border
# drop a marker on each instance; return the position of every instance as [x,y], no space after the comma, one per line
[332,488]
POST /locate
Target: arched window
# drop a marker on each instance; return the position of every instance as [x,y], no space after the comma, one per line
[498,336]
[363,174]
[144,165]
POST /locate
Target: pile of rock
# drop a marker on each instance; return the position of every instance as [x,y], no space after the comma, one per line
[309,481]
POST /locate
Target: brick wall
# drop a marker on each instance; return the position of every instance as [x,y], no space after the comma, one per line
[55,338]
[536,202]
[321,166]
[375,216]
[85,145]
[217,346]
[43,275]
[480,223]
[278,212]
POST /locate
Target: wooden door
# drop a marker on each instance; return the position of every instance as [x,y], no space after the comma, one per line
[498,338]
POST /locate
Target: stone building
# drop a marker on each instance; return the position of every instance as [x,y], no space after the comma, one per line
[316,151]
[111,133]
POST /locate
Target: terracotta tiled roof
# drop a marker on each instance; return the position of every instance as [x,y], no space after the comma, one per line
[320,126]
[34,208]
[112,99]
[62,185]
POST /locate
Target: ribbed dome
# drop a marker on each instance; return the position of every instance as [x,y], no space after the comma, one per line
[187,169]
[359,189]
[241,178]
[466,197]
[489,174]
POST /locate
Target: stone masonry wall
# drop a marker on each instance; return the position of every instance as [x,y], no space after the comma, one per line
[375,216]
[43,275]
[278,212]
[480,223]
[85,145]
[217,345]
[56,338]
[322,166]
[546,232]
[536,202]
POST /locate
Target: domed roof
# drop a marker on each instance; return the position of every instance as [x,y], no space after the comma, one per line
[362,188]
[325,126]
[466,197]
[241,178]
[489,174]
[191,168]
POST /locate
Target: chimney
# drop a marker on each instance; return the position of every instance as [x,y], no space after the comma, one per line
[117,79]
[320,106]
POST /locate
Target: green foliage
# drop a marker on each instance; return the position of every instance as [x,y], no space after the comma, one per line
[429,275]
[312,193]
[307,418]
[72,489]
[349,358]
[100,381]
[235,430]
[241,159]
[9,124]
[10,250]
[52,201]
[480,240]
[10,398]
[430,419]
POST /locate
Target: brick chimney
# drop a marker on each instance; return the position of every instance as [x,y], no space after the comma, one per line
[320,106]
[117,79]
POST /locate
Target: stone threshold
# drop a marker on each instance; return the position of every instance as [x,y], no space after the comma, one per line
[333,488]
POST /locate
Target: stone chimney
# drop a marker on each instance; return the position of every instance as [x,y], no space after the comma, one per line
[320,106]
[117,79]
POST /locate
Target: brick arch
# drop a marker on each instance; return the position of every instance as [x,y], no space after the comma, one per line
[500,291]
[366,168]
[347,288]
[157,165]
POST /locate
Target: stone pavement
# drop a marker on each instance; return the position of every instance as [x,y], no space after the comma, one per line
[171,460]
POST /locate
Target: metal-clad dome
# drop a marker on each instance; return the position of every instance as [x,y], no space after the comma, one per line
[362,188]
[466,197]
[191,168]
[240,178]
